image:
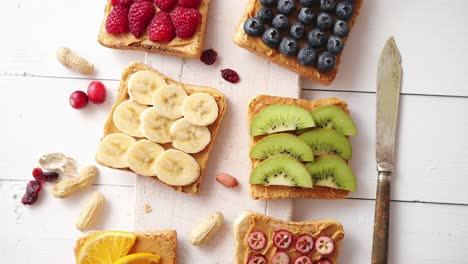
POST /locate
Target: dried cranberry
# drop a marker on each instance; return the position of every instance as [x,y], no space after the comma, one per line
[209,56]
[230,75]
[50,176]
[37,174]
[32,192]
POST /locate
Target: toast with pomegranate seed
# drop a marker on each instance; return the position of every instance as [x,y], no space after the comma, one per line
[201,157]
[260,238]
[274,191]
[190,47]
[255,44]
[162,243]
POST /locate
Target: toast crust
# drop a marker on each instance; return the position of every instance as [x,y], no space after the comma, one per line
[202,156]
[279,192]
[249,221]
[256,45]
[163,243]
[187,48]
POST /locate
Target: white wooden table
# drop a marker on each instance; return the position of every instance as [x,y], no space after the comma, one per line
[429,222]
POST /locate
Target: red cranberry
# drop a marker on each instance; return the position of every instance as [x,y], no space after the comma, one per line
[78,100]
[32,192]
[230,75]
[37,174]
[209,56]
[97,92]
[50,176]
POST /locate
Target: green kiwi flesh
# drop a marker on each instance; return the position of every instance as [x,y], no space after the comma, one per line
[333,172]
[328,142]
[281,170]
[279,118]
[282,144]
[333,117]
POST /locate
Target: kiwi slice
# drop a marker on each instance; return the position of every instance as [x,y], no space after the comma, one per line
[282,144]
[333,117]
[281,170]
[332,171]
[328,142]
[280,117]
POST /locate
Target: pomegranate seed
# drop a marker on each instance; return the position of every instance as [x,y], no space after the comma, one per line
[209,56]
[32,192]
[78,100]
[97,92]
[230,75]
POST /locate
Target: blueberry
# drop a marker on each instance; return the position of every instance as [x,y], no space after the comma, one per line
[341,28]
[344,10]
[307,56]
[326,61]
[265,14]
[268,3]
[335,45]
[286,7]
[288,46]
[316,38]
[271,37]
[324,21]
[280,22]
[327,5]
[297,31]
[306,16]
[309,3]
[254,27]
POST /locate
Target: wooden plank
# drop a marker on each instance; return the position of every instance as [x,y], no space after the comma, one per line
[45,232]
[431,158]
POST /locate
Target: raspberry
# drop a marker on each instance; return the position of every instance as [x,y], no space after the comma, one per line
[114,2]
[189,3]
[230,75]
[161,28]
[126,3]
[209,56]
[117,20]
[32,192]
[185,21]
[165,5]
[139,16]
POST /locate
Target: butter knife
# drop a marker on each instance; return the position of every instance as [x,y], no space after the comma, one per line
[389,74]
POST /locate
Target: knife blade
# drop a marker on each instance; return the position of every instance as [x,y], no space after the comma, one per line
[389,76]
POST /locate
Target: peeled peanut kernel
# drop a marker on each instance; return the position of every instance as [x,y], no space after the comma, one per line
[68,186]
[90,211]
[68,59]
[227,180]
[206,229]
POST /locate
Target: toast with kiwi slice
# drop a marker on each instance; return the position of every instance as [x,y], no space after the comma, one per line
[281,163]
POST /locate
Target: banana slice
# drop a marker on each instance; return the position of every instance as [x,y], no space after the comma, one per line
[142,157]
[112,151]
[168,101]
[177,168]
[155,127]
[200,109]
[127,117]
[143,84]
[189,138]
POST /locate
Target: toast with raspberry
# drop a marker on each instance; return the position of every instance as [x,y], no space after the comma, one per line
[169,26]
[262,239]
[256,44]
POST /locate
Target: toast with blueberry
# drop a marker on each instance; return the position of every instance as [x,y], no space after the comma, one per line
[262,239]
[300,148]
[170,27]
[305,36]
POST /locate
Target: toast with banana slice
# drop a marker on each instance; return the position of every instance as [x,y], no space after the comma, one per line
[292,175]
[161,243]
[262,239]
[161,128]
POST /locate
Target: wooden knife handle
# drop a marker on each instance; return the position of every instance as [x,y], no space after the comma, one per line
[381,220]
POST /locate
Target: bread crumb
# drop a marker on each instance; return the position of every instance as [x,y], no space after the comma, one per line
[147,209]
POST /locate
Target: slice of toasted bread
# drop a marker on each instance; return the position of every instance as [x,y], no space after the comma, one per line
[249,221]
[202,156]
[256,45]
[277,192]
[162,243]
[188,48]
